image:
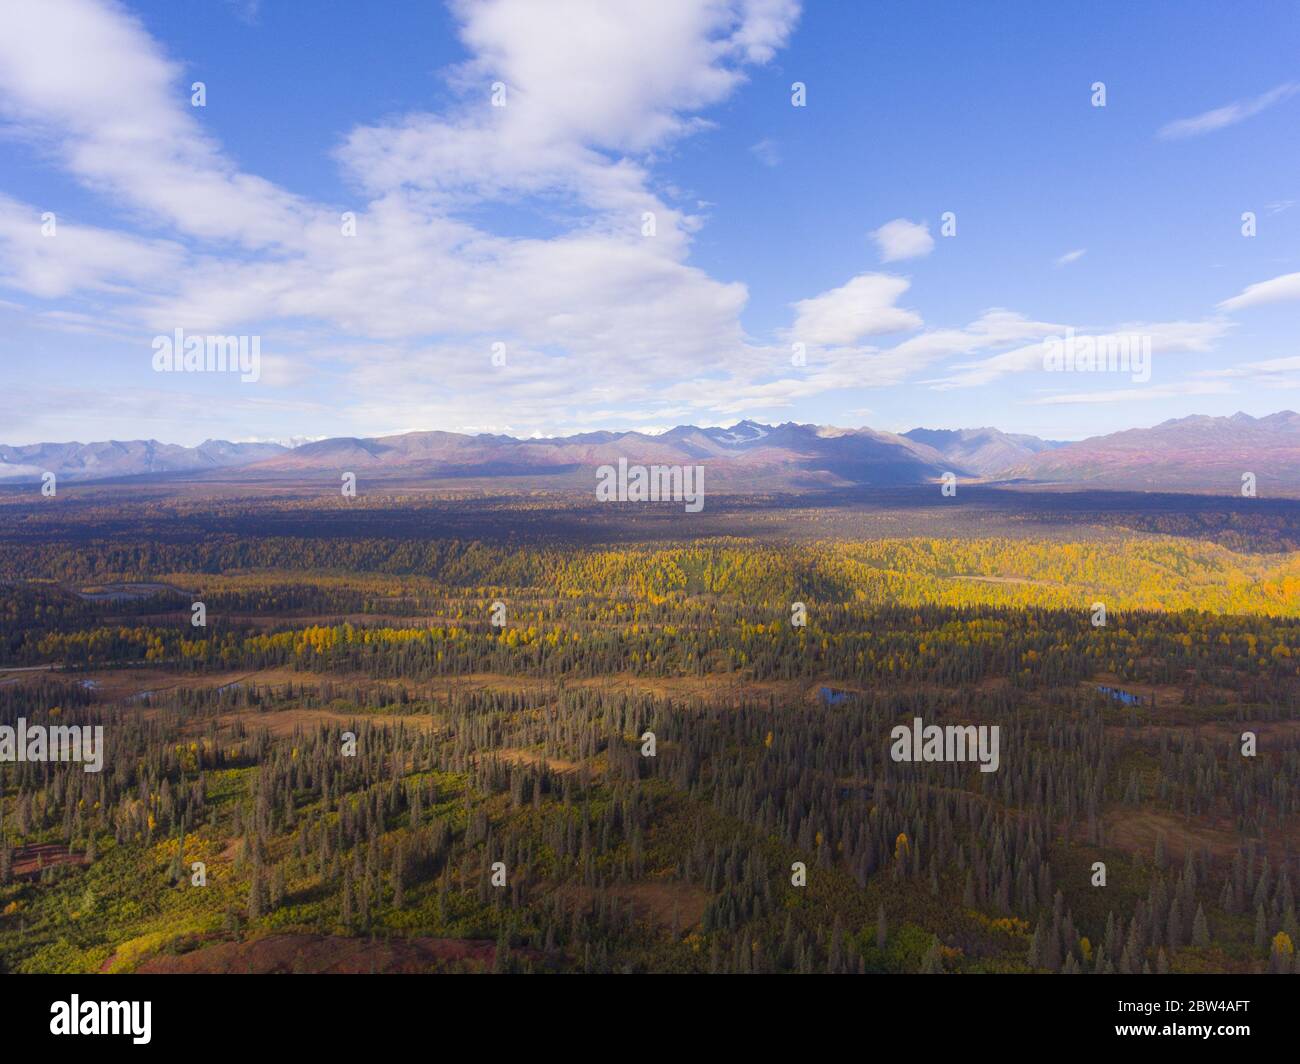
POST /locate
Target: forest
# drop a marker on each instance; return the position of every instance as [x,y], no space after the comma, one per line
[388,749]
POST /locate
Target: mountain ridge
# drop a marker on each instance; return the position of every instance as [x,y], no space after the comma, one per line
[1198,452]
[1187,453]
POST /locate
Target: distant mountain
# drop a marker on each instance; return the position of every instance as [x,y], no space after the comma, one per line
[1204,454]
[1195,453]
[988,452]
[100,461]
[749,455]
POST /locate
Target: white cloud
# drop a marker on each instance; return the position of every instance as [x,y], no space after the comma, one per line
[993,330]
[1137,393]
[1270,371]
[85,81]
[1071,256]
[630,81]
[1277,290]
[862,307]
[901,239]
[247,11]
[412,303]
[766,152]
[1171,337]
[1222,117]
[76,257]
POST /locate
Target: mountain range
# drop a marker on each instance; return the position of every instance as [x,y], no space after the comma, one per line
[1198,453]
[113,458]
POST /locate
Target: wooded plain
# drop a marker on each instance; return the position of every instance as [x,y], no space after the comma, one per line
[499,660]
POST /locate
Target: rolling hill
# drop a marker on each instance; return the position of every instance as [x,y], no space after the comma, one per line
[1198,453]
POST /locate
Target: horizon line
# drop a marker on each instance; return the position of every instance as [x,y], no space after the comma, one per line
[638,432]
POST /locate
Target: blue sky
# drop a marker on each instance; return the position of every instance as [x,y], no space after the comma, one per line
[521,229]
